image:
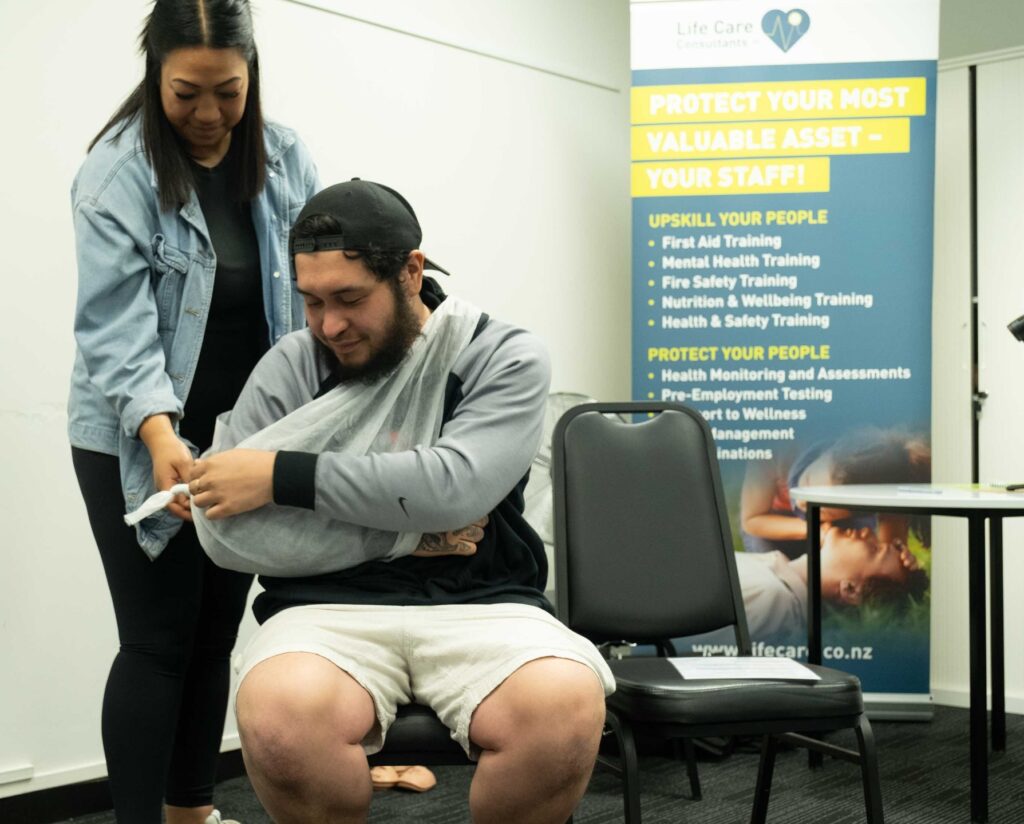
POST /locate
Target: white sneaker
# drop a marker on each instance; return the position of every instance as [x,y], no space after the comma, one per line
[214,818]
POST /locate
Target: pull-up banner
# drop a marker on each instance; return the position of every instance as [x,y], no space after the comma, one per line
[782,171]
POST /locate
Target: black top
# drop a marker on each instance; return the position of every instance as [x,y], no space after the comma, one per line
[236,334]
[509,567]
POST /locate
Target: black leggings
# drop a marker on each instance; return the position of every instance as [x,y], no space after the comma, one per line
[167,693]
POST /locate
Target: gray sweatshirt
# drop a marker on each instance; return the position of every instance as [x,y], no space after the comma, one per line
[493,418]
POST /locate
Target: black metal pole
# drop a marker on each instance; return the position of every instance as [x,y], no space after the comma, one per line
[814,758]
[995,594]
[979,692]
[977,395]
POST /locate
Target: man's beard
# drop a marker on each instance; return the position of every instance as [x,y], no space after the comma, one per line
[405,327]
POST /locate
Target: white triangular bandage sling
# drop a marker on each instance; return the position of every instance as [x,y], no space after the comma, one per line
[399,413]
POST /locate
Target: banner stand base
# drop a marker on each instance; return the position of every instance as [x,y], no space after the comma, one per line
[888,706]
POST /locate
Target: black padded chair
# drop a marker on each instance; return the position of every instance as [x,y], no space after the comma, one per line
[644,554]
[417,736]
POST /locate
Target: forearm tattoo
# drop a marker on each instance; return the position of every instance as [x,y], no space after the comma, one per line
[433,542]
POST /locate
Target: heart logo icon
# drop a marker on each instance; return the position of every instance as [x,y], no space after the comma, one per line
[784,28]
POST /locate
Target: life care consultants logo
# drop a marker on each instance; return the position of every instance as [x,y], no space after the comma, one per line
[785,28]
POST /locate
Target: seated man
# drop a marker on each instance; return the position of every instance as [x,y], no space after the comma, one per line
[470,635]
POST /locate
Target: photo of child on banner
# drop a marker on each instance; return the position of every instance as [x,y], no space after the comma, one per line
[875,566]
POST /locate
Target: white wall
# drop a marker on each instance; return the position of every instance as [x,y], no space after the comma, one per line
[519,174]
[968,27]
[1000,187]
[1001,299]
[951,384]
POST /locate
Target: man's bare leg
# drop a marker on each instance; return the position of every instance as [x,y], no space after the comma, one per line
[301,721]
[539,732]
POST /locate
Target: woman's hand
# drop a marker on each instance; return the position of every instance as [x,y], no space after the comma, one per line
[460,541]
[172,460]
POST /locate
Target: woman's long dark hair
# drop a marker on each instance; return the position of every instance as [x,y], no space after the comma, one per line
[177,24]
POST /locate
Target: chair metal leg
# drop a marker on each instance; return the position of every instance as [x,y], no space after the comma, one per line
[630,768]
[869,771]
[691,768]
[683,749]
[815,758]
[763,790]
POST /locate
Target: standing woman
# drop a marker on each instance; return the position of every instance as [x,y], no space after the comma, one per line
[181,210]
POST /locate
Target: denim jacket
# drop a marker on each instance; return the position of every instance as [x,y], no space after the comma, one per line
[145,281]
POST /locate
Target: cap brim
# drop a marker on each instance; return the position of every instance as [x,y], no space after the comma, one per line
[429,264]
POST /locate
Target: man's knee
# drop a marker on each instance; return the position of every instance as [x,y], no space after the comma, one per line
[556,702]
[575,716]
[293,706]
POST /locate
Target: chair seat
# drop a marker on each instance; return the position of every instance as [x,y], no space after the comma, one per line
[652,690]
[417,736]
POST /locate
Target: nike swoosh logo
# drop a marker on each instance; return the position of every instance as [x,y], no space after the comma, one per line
[401,503]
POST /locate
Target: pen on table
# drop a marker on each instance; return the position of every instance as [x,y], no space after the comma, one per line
[917,490]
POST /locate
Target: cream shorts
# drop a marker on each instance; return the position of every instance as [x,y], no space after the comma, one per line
[449,658]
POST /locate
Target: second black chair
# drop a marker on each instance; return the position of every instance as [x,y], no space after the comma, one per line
[644,554]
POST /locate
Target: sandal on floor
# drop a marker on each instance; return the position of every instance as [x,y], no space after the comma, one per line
[383,778]
[418,779]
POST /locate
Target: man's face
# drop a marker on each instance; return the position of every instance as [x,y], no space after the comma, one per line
[367,325]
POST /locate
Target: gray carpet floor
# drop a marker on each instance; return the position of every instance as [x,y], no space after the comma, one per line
[925,780]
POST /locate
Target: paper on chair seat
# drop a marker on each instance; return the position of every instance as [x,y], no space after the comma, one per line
[724,667]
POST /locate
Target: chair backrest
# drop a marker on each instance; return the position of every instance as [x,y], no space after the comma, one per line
[538,503]
[643,548]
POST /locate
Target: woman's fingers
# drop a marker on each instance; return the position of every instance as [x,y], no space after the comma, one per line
[181,507]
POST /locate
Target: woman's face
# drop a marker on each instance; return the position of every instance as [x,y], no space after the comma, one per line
[203,94]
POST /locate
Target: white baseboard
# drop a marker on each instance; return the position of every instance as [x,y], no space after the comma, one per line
[65,776]
[958,697]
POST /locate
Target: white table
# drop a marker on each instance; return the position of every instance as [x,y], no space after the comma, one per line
[977,504]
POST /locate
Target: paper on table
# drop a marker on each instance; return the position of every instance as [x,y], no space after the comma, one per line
[743,667]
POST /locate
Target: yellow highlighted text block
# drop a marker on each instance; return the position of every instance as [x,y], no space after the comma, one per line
[879,135]
[730,177]
[793,100]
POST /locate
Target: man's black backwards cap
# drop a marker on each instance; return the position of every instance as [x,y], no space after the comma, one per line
[371,215]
